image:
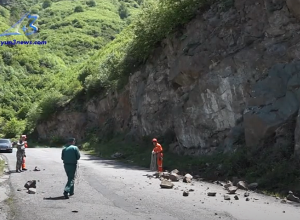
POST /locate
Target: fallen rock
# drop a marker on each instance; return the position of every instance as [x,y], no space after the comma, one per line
[31,191]
[211,193]
[246,194]
[228,184]
[175,171]
[185,193]
[174,177]
[188,176]
[187,180]
[292,198]
[226,197]
[247,199]
[166,184]
[242,185]
[236,197]
[232,189]
[30,184]
[36,169]
[252,186]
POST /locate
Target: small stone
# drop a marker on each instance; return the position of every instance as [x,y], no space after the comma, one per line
[246,194]
[247,199]
[166,184]
[211,193]
[226,197]
[185,193]
[31,191]
[236,197]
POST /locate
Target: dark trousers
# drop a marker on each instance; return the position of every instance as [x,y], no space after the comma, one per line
[70,171]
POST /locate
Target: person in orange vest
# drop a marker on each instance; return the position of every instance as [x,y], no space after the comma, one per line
[158,151]
[23,138]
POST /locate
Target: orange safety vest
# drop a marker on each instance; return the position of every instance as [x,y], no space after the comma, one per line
[158,149]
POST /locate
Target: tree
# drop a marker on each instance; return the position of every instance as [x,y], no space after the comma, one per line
[46,4]
[123,11]
[78,9]
[91,3]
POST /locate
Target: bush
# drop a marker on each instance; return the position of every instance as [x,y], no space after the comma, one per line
[46,4]
[91,3]
[78,9]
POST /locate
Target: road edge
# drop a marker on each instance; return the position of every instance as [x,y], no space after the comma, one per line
[7,204]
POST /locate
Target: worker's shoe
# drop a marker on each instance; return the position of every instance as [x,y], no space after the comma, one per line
[66,195]
[71,194]
[24,169]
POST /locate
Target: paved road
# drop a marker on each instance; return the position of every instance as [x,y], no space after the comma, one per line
[108,190]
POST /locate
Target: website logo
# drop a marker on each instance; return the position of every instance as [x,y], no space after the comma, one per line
[31,25]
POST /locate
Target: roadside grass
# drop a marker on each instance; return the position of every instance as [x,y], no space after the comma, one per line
[275,176]
[2,165]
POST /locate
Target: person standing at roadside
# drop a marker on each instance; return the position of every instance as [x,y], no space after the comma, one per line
[23,138]
[70,155]
[20,155]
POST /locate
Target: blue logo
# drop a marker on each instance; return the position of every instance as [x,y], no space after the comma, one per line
[28,15]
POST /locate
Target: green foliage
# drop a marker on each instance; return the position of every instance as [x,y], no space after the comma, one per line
[123,11]
[91,3]
[47,4]
[78,8]
[13,128]
[37,80]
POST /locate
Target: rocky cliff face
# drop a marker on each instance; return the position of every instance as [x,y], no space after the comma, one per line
[232,77]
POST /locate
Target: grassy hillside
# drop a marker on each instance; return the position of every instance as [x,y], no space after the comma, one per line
[35,79]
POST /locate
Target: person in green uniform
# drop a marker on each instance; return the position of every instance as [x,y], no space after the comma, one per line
[70,155]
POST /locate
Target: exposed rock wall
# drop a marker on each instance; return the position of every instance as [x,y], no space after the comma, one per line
[231,75]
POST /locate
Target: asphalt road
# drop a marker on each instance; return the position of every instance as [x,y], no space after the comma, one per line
[109,190]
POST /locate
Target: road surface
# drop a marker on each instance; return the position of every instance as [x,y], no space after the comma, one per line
[110,191]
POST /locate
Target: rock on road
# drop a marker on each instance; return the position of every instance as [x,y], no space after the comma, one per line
[108,190]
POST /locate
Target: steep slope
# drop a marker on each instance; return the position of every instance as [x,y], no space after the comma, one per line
[36,79]
[228,79]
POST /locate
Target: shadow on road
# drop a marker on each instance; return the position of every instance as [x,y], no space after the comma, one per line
[55,198]
[113,163]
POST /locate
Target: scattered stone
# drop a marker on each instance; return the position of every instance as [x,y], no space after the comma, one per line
[211,193]
[232,189]
[174,177]
[175,171]
[31,191]
[236,197]
[252,186]
[242,185]
[18,189]
[187,180]
[75,211]
[191,190]
[283,211]
[185,193]
[283,201]
[166,184]
[36,169]
[226,197]
[228,184]
[246,194]
[30,184]
[292,198]
[247,199]
[188,176]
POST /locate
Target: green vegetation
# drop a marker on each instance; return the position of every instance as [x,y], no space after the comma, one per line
[2,164]
[36,80]
[91,47]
